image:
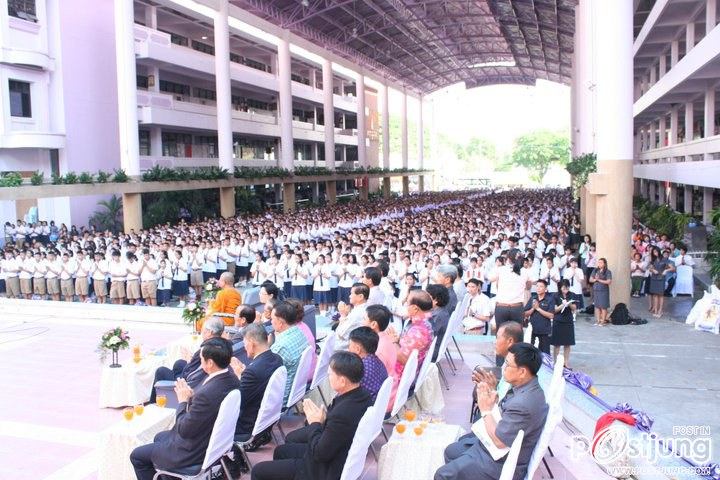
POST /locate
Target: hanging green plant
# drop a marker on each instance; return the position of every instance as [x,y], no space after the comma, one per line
[580,168]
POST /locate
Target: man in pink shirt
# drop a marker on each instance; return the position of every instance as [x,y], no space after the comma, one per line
[378,317]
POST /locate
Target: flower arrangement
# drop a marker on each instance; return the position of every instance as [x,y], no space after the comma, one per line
[193,312]
[211,289]
[112,341]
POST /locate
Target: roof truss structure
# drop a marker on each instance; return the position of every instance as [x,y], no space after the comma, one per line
[431,44]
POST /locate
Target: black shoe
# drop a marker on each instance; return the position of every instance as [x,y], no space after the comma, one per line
[258,441]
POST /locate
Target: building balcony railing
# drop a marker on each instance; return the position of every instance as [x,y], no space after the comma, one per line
[702,148]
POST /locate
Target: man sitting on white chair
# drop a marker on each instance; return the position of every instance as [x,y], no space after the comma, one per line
[318,451]
[522,408]
[185,445]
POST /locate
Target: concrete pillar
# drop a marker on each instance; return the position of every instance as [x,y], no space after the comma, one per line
[156,141]
[127,88]
[316,192]
[421,183]
[662,66]
[689,37]
[331,192]
[662,132]
[151,16]
[674,120]
[709,117]
[710,15]
[364,191]
[689,111]
[583,209]
[315,153]
[227,202]
[586,77]
[661,193]
[687,199]
[386,187]
[285,107]
[132,212]
[674,52]
[154,72]
[653,75]
[707,204]
[614,94]
[653,137]
[222,86]
[672,197]
[288,197]
[329,114]
[421,144]
[652,191]
[574,97]
[361,120]
[406,186]
[590,214]
[404,129]
[385,125]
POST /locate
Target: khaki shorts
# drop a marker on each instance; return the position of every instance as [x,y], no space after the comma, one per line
[100,287]
[53,286]
[39,286]
[133,289]
[81,286]
[12,286]
[148,289]
[67,287]
[26,286]
[117,290]
[196,278]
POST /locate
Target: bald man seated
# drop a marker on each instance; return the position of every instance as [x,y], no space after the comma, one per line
[226,302]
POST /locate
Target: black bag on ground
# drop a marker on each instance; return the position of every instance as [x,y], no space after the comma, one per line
[589,310]
[620,315]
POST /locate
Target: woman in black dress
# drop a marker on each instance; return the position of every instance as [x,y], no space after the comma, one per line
[563,327]
[658,268]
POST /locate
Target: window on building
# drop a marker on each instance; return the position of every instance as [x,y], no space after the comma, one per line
[256,65]
[303,151]
[24,9]
[253,149]
[20,99]
[203,47]
[176,39]
[297,78]
[204,93]
[144,136]
[234,57]
[172,87]
[205,146]
[142,81]
[177,144]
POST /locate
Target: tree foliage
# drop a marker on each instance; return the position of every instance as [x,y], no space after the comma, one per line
[580,169]
[109,216]
[538,150]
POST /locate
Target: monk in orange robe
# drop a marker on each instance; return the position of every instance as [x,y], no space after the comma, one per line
[226,301]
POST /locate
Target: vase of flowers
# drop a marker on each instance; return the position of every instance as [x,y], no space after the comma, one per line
[210,290]
[113,341]
[193,312]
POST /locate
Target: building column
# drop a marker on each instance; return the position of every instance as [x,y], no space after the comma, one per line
[662,66]
[406,185]
[328,114]
[227,202]
[709,115]
[285,109]
[586,78]
[421,146]
[687,199]
[672,198]
[132,212]
[361,120]
[689,111]
[610,186]
[710,15]
[151,16]
[574,94]
[386,187]
[331,191]
[384,96]
[156,142]
[674,121]
[652,187]
[661,193]
[404,129]
[662,132]
[653,136]
[707,204]
[590,214]
[288,197]
[689,37]
[127,88]
[674,52]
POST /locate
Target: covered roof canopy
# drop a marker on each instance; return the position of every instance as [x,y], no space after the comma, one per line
[431,44]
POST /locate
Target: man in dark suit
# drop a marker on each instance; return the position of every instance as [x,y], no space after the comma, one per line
[319,450]
[185,445]
[253,377]
[439,316]
[189,370]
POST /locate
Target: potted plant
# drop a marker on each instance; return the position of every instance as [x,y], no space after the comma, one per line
[112,341]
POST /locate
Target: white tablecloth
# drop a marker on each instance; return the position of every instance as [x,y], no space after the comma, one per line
[129,384]
[409,456]
[429,397]
[174,349]
[118,441]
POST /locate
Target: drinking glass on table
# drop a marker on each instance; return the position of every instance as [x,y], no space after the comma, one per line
[139,409]
[128,413]
[161,400]
[400,428]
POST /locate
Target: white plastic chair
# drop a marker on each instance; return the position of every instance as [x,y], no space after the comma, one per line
[221,441]
[382,400]
[406,380]
[554,417]
[270,408]
[527,335]
[322,365]
[453,324]
[366,432]
[557,376]
[684,282]
[508,469]
[298,390]
[425,367]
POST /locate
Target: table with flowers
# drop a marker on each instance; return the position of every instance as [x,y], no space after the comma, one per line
[129,384]
[118,441]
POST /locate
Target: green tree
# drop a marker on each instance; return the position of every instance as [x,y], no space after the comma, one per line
[538,150]
[109,217]
[474,153]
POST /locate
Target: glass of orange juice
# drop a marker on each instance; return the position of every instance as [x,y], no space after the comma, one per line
[418,430]
[139,409]
[410,415]
[400,428]
[136,350]
[137,359]
[161,400]
[128,413]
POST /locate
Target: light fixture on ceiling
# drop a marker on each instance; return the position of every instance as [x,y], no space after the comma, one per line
[305,3]
[204,37]
[499,63]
